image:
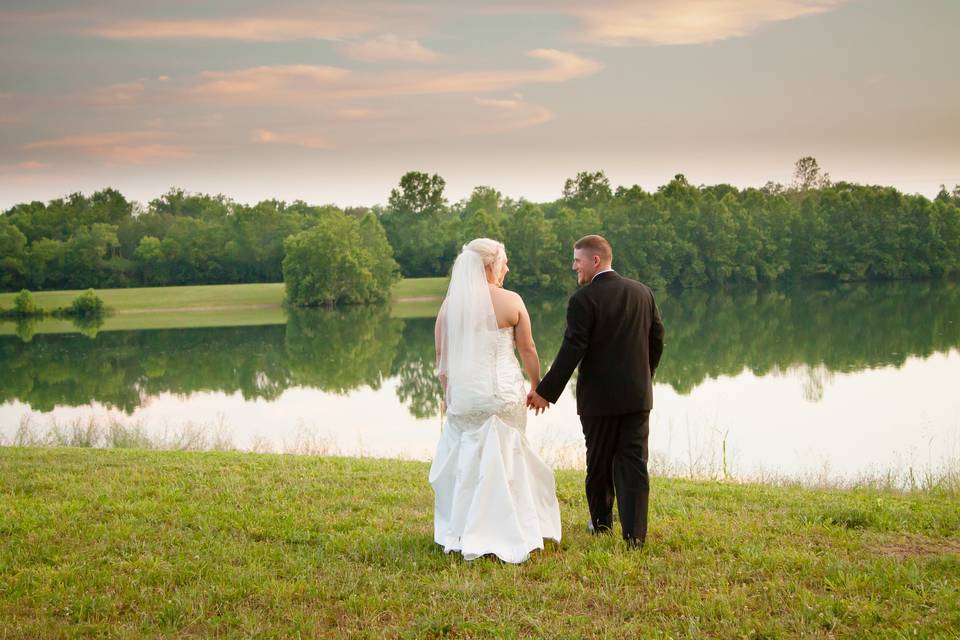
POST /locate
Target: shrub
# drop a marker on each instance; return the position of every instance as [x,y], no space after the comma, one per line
[24,306]
[87,305]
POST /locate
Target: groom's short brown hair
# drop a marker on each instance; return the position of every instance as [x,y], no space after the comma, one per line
[596,245]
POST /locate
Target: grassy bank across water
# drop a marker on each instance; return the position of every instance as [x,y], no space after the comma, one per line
[215,296]
[210,305]
[130,543]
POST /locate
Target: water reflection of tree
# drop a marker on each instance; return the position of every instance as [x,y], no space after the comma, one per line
[847,328]
[709,334]
[341,350]
[417,385]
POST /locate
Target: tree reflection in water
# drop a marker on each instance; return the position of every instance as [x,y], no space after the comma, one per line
[709,334]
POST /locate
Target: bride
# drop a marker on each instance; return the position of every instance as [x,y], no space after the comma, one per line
[493,493]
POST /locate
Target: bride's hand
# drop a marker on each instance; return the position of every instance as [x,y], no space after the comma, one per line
[536,402]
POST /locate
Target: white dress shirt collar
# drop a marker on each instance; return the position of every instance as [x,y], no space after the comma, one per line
[598,273]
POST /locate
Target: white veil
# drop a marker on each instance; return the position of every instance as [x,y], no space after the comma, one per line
[466,336]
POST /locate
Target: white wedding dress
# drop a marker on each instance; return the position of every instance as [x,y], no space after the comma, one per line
[494,495]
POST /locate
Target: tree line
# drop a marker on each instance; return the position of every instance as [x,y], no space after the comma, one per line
[679,235]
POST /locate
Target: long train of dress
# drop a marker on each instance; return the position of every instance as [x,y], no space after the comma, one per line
[494,495]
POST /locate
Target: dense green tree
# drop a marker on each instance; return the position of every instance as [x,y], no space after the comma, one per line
[533,251]
[383,267]
[45,264]
[13,255]
[486,198]
[587,189]
[480,224]
[332,263]
[421,229]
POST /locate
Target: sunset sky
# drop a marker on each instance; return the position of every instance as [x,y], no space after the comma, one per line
[331,102]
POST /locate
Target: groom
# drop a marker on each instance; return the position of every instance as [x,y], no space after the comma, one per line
[615,334]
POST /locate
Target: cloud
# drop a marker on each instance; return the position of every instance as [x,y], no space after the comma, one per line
[300,84]
[250,29]
[358,114]
[671,22]
[267,82]
[513,114]
[117,95]
[32,165]
[130,146]
[309,141]
[389,48]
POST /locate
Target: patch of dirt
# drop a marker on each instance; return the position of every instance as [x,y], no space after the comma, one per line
[914,546]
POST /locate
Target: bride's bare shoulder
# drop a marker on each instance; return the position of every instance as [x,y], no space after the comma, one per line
[513,296]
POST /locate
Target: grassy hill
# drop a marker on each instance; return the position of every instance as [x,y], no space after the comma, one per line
[127,543]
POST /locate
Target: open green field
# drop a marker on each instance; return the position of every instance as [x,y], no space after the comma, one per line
[209,297]
[211,305]
[128,543]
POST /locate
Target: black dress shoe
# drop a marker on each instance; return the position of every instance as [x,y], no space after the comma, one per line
[595,531]
[634,543]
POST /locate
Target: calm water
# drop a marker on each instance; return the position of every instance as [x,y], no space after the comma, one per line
[811,383]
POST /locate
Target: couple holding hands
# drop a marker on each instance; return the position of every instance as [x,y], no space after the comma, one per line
[493,493]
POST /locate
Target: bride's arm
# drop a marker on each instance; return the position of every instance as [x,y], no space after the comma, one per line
[523,336]
[438,342]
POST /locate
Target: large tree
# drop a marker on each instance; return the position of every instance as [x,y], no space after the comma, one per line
[338,260]
[419,225]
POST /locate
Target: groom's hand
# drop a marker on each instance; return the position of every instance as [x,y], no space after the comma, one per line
[536,402]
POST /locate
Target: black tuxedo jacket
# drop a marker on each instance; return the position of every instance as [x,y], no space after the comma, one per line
[614,332]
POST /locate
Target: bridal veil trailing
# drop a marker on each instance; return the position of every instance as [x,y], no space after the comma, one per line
[494,495]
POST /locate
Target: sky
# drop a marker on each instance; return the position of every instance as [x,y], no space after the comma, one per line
[331,102]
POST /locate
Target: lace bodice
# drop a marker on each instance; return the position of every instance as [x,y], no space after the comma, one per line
[509,393]
[509,378]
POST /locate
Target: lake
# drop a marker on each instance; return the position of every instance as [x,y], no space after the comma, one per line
[817,384]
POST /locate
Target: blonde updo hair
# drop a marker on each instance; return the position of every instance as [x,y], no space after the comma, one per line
[493,253]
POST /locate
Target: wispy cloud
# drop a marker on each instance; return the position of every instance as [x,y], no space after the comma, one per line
[32,165]
[289,84]
[125,146]
[116,95]
[267,83]
[251,29]
[309,141]
[358,114]
[512,113]
[671,22]
[389,48]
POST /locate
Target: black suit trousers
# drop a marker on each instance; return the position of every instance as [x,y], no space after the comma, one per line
[617,466]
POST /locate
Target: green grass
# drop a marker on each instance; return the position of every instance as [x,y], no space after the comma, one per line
[421,288]
[145,299]
[127,543]
[209,297]
[210,305]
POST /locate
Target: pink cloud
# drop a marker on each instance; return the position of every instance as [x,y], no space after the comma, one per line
[251,29]
[666,22]
[309,141]
[513,114]
[32,165]
[299,84]
[266,81]
[358,114]
[116,95]
[389,48]
[130,146]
